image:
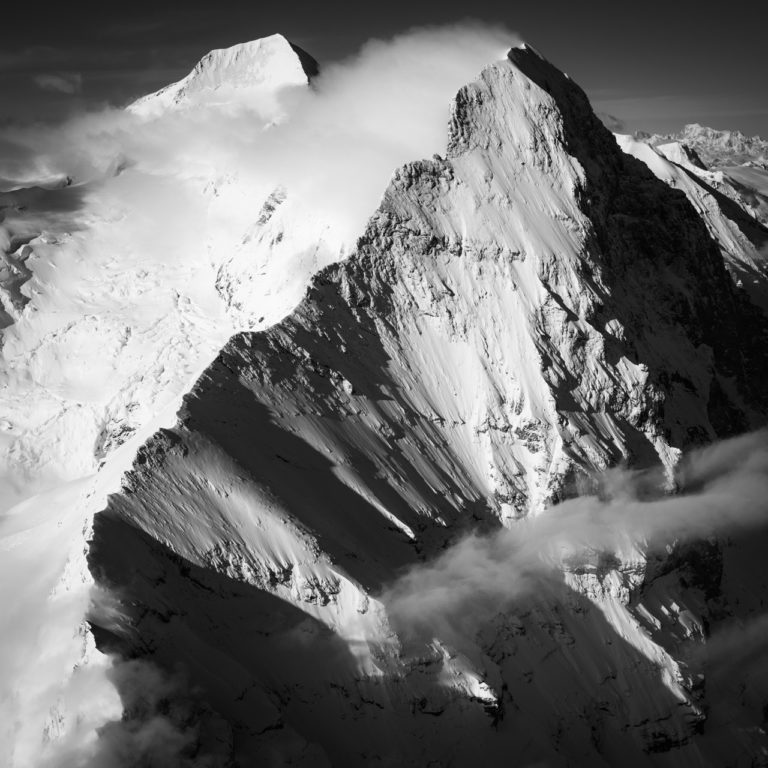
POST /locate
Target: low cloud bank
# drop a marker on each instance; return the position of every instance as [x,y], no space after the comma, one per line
[718,489]
[335,146]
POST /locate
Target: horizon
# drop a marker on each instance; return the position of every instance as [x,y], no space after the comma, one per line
[68,62]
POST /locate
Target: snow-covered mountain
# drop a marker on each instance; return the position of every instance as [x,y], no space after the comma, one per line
[532,306]
[248,74]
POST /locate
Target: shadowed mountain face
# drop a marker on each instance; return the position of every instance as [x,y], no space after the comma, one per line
[534,306]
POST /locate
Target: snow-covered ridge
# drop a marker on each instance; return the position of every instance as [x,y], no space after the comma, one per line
[239,74]
[682,154]
[742,238]
[532,305]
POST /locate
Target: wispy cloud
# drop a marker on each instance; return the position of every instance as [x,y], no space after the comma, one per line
[722,488]
[336,150]
[70,82]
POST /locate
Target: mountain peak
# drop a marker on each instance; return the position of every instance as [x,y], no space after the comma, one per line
[258,67]
[258,59]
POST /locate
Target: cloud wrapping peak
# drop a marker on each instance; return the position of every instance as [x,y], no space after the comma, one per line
[334,145]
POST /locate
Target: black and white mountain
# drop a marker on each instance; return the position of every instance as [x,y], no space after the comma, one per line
[440,494]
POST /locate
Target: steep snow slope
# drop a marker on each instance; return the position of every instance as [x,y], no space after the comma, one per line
[533,306]
[751,183]
[742,240]
[682,154]
[746,185]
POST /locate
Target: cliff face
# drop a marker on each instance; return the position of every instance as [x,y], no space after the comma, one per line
[533,306]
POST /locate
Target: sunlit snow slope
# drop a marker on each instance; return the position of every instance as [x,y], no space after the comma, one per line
[532,306]
[117,291]
[245,75]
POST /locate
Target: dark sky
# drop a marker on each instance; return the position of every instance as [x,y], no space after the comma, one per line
[654,65]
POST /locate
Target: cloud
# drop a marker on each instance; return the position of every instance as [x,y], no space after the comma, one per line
[720,488]
[334,151]
[69,83]
[371,114]
[335,148]
[163,724]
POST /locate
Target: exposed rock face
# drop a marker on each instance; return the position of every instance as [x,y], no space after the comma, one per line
[532,306]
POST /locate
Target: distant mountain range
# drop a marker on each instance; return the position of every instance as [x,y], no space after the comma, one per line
[716,148]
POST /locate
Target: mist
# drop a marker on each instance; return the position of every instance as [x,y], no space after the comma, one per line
[128,185]
[334,145]
[719,489]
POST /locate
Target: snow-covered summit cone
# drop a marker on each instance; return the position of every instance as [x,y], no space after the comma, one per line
[247,74]
[531,305]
